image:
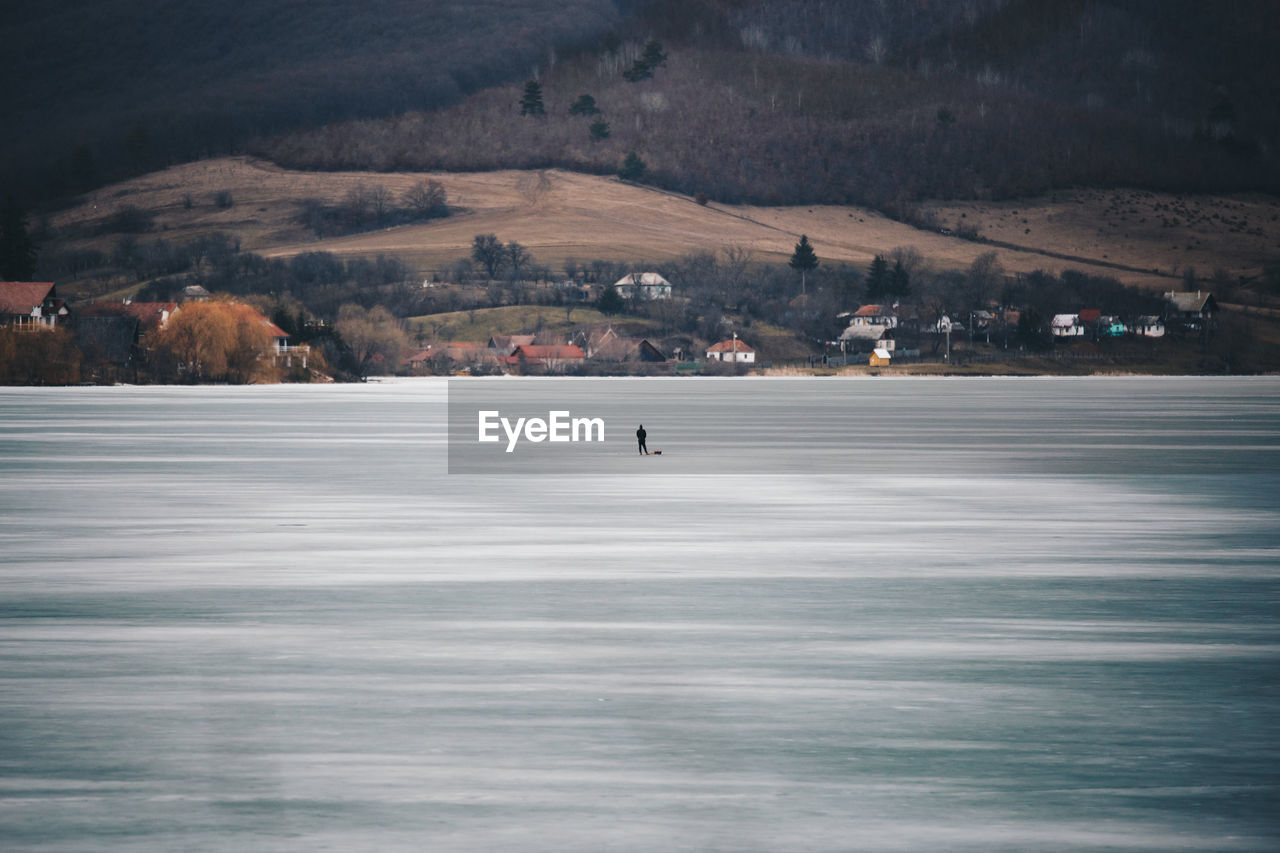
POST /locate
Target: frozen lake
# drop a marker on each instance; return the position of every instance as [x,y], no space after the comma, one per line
[974,615]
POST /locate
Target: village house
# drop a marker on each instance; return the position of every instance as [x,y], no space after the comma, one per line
[110,347]
[880,357]
[868,327]
[1066,326]
[111,334]
[884,316]
[451,356]
[417,359]
[150,316]
[31,303]
[550,358]
[609,346]
[575,291]
[504,345]
[944,326]
[731,350]
[643,285]
[1149,326]
[1111,326]
[861,338]
[282,354]
[1192,308]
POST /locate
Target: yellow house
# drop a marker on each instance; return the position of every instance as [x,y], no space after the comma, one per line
[880,358]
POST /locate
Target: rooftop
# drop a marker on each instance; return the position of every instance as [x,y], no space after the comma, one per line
[20,297]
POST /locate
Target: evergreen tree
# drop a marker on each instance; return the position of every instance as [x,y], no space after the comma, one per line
[1031,331]
[642,69]
[803,259]
[637,72]
[584,106]
[899,280]
[878,278]
[632,167]
[531,103]
[599,130]
[610,301]
[17,249]
[653,56]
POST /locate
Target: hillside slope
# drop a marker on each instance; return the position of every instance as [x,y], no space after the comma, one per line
[561,215]
[804,101]
[118,86]
[1016,99]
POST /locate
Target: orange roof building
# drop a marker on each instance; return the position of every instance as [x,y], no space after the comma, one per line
[150,315]
[731,350]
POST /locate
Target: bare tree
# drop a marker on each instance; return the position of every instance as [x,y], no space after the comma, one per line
[982,281]
[488,251]
[356,203]
[374,337]
[380,201]
[518,258]
[426,199]
[735,260]
[910,257]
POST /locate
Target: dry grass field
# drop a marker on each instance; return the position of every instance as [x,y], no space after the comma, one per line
[1140,238]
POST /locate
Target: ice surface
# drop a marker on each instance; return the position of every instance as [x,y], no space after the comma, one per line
[944,615]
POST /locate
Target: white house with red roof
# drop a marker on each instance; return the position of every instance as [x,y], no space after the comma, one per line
[30,303]
[731,350]
[280,349]
[884,316]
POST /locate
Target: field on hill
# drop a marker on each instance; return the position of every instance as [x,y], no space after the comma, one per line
[1141,238]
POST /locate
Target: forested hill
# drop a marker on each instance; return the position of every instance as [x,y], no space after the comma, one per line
[94,90]
[881,104]
[755,100]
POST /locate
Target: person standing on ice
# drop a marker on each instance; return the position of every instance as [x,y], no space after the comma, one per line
[640,434]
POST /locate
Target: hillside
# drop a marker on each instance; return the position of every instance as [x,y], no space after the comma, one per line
[801,102]
[560,215]
[120,86]
[244,227]
[754,104]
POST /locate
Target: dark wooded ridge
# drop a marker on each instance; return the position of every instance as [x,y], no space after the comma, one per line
[802,101]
